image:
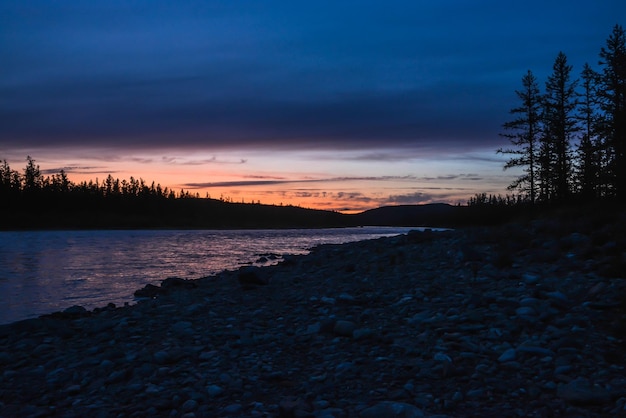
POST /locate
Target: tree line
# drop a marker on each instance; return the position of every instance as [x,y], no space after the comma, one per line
[31,184]
[570,138]
[31,200]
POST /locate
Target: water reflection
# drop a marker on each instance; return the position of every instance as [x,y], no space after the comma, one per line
[46,271]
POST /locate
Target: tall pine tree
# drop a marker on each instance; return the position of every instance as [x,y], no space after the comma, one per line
[559,127]
[588,154]
[524,135]
[612,97]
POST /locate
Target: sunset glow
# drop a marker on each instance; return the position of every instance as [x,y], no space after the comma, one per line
[321,180]
[320,105]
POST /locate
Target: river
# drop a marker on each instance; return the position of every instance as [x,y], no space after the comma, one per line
[47,271]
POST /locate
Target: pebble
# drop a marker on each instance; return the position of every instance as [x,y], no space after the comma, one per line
[214,390]
[508,355]
[342,332]
[392,410]
[190,405]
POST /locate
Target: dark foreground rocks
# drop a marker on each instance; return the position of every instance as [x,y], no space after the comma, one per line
[515,321]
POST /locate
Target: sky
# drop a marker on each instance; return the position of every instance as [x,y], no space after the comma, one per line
[338,105]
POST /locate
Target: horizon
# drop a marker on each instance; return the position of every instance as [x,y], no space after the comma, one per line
[322,106]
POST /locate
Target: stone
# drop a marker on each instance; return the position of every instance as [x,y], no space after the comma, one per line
[293,408]
[390,409]
[251,276]
[148,291]
[362,333]
[75,310]
[346,298]
[190,405]
[525,311]
[581,392]
[117,376]
[177,283]
[343,367]
[558,298]
[214,391]
[475,393]
[344,328]
[163,357]
[183,328]
[538,351]
[73,390]
[232,409]
[530,279]
[508,355]
[531,302]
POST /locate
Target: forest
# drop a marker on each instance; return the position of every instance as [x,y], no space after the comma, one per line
[569,139]
[30,200]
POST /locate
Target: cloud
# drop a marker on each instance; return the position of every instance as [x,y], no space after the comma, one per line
[202,161]
[241,183]
[409,199]
[272,181]
[275,181]
[265,177]
[301,76]
[77,170]
[68,113]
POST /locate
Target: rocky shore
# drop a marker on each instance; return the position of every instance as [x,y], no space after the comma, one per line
[512,321]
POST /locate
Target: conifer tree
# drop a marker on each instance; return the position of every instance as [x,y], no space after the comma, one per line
[559,126]
[612,97]
[33,180]
[524,135]
[588,154]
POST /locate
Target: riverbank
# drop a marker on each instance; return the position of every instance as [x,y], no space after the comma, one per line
[517,320]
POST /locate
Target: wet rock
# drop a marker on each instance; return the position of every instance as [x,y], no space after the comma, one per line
[177,283]
[148,291]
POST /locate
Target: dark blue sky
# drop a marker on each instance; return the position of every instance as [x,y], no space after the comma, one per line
[340,105]
[323,74]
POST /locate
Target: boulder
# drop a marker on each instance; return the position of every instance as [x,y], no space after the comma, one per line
[251,277]
[581,392]
[149,291]
[177,283]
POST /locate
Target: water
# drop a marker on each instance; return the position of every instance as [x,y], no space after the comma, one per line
[47,271]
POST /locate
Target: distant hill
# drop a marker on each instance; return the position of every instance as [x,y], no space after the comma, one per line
[436,215]
[136,213]
[164,213]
